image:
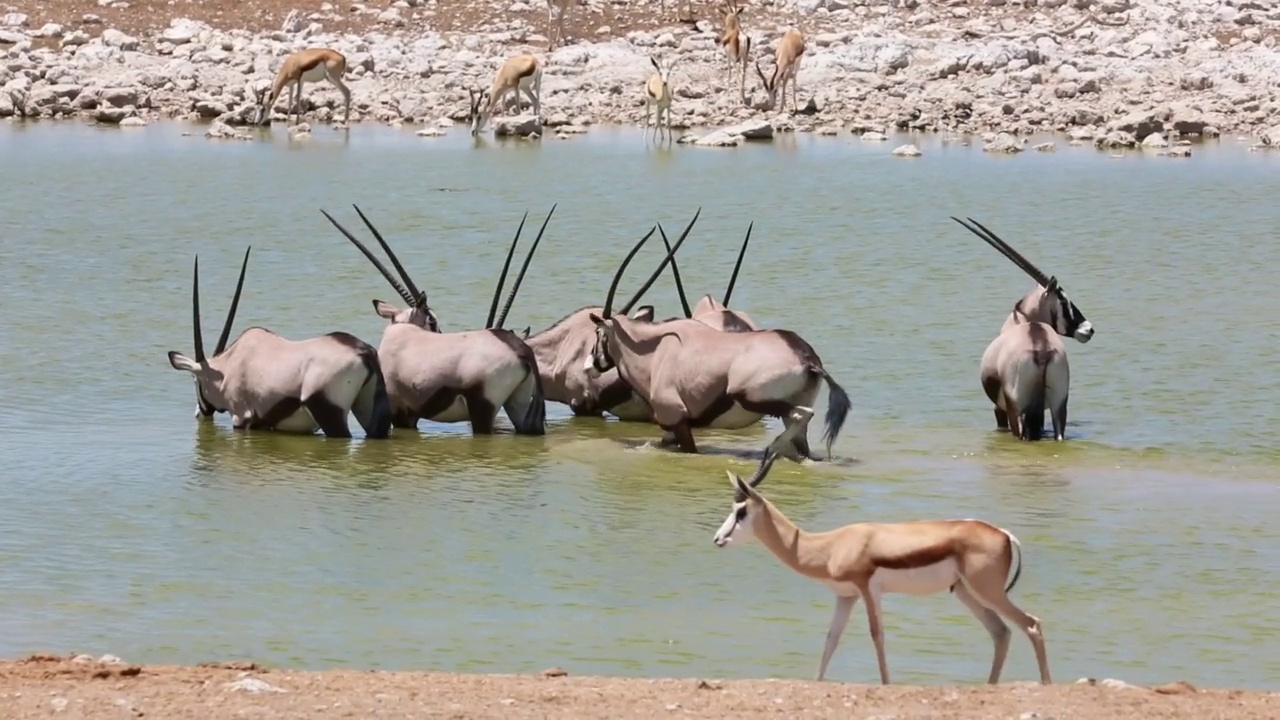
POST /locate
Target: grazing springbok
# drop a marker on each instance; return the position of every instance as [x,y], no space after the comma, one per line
[305,66]
[451,377]
[712,312]
[736,44]
[692,375]
[555,34]
[1025,369]
[268,382]
[519,74]
[657,97]
[786,65]
[971,558]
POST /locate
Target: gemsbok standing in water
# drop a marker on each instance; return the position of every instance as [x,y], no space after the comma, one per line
[268,382]
[971,558]
[1025,370]
[452,377]
[692,375]
[709,311]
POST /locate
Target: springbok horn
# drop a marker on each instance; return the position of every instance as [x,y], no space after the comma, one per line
[653,278]
[195,311]
[613,287]
[1004,249]
[395,284]
[766,463]
[419,296]
[506,307]
[502,277]
[684,301]
[235,304]
[733,279]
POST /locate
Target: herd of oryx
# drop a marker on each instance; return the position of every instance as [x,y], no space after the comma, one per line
[713,367]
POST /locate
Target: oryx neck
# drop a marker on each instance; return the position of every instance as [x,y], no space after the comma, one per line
[804,552]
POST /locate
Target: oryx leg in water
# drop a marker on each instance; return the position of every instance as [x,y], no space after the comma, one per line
[268,382]
[709,311]
[976,560]
[1025,370]
[692,375]
[452,377]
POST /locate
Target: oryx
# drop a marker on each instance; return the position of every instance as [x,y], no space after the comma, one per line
[692,375]
[268,382]
[712,312]
[452,377]
[1025,370]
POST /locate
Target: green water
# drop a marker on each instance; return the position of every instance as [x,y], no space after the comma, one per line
[128,527]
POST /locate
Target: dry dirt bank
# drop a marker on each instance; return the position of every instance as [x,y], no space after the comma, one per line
[48,686]
[1093,66]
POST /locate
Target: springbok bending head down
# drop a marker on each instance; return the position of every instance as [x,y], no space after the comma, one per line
[1025,369]
[268,382]
[786,65]
[712,312]
[971,558]
[519,74]
[452,377]
[692,375]
[306,66]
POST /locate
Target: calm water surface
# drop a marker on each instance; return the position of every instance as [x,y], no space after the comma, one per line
[126,526]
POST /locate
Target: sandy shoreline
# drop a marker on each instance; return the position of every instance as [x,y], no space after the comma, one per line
[80,686]
[1021,66]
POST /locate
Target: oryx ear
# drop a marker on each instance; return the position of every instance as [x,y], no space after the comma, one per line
[182,362]
[596,319]
[524,334]
[644,313]
[385,311]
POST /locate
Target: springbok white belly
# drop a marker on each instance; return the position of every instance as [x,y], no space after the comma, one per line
[926,580]
[315,74]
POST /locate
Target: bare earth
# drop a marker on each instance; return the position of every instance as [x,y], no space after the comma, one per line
[79,686]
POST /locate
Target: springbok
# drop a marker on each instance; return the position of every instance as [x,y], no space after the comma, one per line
[786,65]
[972,558]
[692,375]
[736,44]
[556,34]
[306,66]
[1025,369]
[712,312]
[268,382]
[519,74]
[451,377]
[657,97]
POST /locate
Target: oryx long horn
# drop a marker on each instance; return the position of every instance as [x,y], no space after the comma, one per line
[1004,249]
[395,261]
[502,277]
[766,463]
[506,307]
[195,311]
[404,294]
[235,304]
[613,287]
[675,270]
[653,278]
[733,279]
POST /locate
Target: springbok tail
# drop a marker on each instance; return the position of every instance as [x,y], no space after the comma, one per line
[838,407]
[1014,547]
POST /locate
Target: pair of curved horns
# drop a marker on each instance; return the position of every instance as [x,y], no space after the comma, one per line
[502,279]
[766,463]
[1004,248]
[231,314]
[613,288]
[408,291]
[733,279]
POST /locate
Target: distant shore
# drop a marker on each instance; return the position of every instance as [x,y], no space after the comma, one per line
[41,685]
[1116,72]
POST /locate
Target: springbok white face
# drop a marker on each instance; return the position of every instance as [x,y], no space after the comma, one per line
[419,314]
[746,507]
[664,74]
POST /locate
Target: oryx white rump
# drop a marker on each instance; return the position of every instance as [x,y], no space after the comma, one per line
[692,375]
[1024,371]
[268,382]
[451,377]
[972,558]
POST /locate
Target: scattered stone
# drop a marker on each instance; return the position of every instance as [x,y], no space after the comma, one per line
[1004,143]
[1115,139]
[526,126]
[430,132]
[751,130]
[717,138]
[1177,687]
[253,685]
[710,685]
[222,131]
[874,136]
[907,150]
[1045,147]
[133,122]
[1154,140]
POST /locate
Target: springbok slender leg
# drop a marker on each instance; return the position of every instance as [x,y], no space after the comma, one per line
[992,596]
[844,605]
[346,98]
[876,630]
[990,620]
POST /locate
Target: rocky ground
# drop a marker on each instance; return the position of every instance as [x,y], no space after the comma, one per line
[80,686]
[1092,66]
